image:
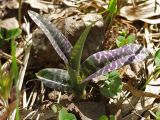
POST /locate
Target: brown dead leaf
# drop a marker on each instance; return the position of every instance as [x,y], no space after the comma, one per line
[9,23]
[71,3]
[139,11]
[41,5]
[12,4]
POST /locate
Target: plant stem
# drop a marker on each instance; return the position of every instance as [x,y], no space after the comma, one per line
[20,12]
[15,75]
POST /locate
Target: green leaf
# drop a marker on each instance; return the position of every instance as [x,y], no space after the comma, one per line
[54,108]
[5,85]
[15,68]
[112,117]
[157,58]
[131,38]
[2,33]
[123,33]
[112,6]
[76,79]
[54,78]
[103,117]
[74,76]
[2,36]
[120,41]
[6,35]
[158,115]
[13,33]
[76,53]
[112,84]
[64,115]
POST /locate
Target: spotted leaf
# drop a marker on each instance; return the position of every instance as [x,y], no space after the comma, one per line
[58,40]
[106,61]
[54,78]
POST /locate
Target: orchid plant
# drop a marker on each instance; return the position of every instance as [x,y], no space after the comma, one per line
[78,73]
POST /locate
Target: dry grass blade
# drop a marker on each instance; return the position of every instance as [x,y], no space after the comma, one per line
[7,56]
[7,64]
[139,93]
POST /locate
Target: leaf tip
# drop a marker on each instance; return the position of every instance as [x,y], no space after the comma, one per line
[32,13]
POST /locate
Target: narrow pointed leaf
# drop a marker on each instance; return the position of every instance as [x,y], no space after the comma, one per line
[54,78]
[58,40]
[106,61]
[76,53]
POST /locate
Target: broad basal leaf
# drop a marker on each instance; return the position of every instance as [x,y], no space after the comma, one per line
[74,76]
[106,61]
[58,40]
[77,50]
[76,80]
[54,78]
[102,58]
